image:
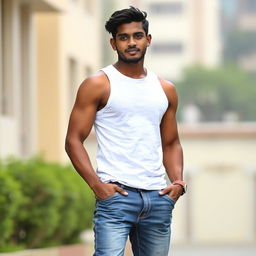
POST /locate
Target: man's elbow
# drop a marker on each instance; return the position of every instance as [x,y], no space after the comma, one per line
[72,143]
[68,144]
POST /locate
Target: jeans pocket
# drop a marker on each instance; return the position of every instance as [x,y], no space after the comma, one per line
[169,199]
[107,198]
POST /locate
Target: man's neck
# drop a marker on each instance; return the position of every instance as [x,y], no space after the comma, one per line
[133,70]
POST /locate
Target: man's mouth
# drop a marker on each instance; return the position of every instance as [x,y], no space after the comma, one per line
[132,51]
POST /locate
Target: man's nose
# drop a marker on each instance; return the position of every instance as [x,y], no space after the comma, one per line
[132,42]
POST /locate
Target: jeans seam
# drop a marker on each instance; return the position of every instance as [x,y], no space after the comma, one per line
[139,215]
[138,240]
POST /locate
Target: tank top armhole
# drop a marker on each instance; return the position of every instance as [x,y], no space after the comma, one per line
[110,93]
[161,87]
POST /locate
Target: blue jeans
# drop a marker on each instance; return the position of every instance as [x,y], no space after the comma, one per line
[143,215]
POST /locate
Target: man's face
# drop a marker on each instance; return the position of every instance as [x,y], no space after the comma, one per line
[131,42]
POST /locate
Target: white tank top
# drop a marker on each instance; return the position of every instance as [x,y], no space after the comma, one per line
[128,131]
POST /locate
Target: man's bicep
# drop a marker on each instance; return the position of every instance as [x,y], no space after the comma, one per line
[83,114]
[81,121]
[169,132]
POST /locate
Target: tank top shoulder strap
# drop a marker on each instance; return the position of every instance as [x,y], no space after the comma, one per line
[108,70]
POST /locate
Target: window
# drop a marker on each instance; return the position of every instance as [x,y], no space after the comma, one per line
[1,61]
[163,48]
[72,82]
[166,8]
[247,6]
[250,6]
[6,98]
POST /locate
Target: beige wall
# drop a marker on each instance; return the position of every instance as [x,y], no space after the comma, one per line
[48,83]
[68,50]
[220,168]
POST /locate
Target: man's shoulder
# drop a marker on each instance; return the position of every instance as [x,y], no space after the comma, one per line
[166,84]
[96,79]
[95,84]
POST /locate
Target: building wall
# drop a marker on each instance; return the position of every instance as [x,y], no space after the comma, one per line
[17,88]
[246,15]
[246,21]
[51,47]
[184,33]
[68,50]
[48,85]
[220,169]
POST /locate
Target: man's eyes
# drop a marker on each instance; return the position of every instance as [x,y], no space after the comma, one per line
[136,36]
[123,38]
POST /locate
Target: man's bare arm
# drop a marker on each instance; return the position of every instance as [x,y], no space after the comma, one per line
[90,98]
[172,150]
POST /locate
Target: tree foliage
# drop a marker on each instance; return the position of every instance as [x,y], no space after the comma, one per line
[218,91]
[239,44]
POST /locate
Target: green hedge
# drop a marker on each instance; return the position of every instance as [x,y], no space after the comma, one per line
[42,204]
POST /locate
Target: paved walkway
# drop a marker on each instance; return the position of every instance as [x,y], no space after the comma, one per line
[193,250]
[213,251]
[206,251]
[87,250]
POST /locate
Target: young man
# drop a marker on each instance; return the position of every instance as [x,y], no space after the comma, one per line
[133,112]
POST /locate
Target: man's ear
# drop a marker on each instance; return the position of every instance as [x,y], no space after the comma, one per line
[113,43]
[149,38]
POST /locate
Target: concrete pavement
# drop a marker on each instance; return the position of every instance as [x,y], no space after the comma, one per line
[213,251]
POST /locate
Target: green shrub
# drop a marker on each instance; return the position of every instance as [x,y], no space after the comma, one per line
[84,207]
[39,216]
[77,208]
[52,204]
[10,200]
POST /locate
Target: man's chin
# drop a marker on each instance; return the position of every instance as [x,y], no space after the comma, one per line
[131,60]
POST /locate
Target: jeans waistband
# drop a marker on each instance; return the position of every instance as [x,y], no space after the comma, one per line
[130,188]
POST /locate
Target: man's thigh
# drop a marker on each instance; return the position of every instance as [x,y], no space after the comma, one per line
[113,220]
[151,235]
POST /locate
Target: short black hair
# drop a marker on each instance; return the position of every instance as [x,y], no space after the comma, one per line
[126,16]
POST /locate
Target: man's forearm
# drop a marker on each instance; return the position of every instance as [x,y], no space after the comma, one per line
[81,162]
[173,161]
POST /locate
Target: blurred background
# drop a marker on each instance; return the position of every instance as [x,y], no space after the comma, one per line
[206,48]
